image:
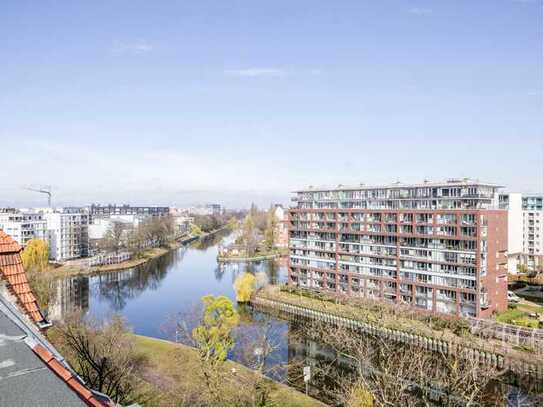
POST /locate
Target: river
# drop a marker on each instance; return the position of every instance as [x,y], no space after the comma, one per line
[151,298]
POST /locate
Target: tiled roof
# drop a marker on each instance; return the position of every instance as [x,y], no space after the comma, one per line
[12,271]
[35,373]
[72,381]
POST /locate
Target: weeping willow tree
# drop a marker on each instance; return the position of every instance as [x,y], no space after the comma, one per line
[245,286]
[35,255]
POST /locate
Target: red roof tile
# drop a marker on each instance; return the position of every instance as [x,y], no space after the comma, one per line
[12,271]
[61,371]
[79,388]
[43,353]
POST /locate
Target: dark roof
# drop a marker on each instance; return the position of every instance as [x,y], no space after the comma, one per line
[12,271]
[32,372]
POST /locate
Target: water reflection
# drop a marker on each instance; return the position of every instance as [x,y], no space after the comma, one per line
[118,288]
[148,294]
[70,295]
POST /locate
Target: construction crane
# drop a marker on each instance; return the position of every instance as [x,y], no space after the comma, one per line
[43,190]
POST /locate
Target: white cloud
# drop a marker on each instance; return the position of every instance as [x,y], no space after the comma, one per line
[256,72]
[135,48]
[419,11]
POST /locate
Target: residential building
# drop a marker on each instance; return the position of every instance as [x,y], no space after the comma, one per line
[32,371]
[67,234]
[182,224]
[23,226]
[525,230]
[216,209]
[100,226]
[438,247]
[281,230]
[141,212]
[207,210]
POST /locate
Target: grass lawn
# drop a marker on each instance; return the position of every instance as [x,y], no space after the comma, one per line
[519,315]
[174,364]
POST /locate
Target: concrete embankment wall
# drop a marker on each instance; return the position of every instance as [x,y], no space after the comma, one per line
[496,360]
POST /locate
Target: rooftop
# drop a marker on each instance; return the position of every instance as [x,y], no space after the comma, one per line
[32,372]
[465,182]
[13,273]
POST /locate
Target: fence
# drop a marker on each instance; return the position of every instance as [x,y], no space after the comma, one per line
[111,258]
[530,338]
[512,334]
[496,360]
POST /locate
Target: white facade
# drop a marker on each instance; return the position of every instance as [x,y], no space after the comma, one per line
[100,226]
[532,227]
[207,210]
[525,229]
[23,227]
[182,224]
[281,228]
[68,235]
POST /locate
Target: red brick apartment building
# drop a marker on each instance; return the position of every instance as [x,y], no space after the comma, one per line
[439,247]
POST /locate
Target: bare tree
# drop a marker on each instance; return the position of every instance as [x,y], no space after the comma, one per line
[103,354]
[115,238]
[397,374]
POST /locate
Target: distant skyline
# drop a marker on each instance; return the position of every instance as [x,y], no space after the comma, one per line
[179,103]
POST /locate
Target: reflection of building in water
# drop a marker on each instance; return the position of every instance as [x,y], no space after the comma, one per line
[326,365]
[119,287]
[70,295]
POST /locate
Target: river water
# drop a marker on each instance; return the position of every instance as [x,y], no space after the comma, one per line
[151,298]
[148,296]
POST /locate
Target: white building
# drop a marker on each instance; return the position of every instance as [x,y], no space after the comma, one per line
[525,230]
[67,234]
[281,218]
[23,227]
[100,226]
[206,210]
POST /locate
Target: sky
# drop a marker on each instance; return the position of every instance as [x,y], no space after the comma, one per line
[187,102]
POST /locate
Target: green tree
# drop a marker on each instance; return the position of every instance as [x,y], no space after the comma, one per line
[195,230]
[35,256]
[249,235]
[522,268]
[271,227]
[213,335]
[245,286]
[213,339]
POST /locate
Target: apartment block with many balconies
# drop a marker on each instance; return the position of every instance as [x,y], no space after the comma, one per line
[68,234]
[525,230]
[438,247]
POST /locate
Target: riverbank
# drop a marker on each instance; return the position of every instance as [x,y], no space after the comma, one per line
[237,259]
[176,366]
[402,320]
[272,254]
[78,267]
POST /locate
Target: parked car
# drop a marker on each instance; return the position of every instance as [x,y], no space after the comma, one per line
[512,297]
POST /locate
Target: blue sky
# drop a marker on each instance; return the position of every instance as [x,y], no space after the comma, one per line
[189,101]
